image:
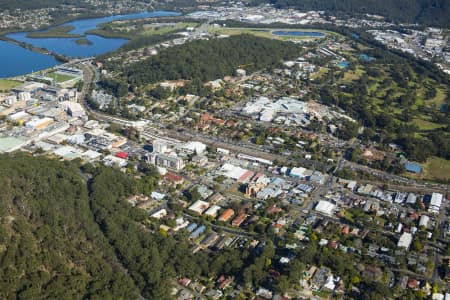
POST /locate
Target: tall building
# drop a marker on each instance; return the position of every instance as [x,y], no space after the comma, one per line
[170,162]
[159,146]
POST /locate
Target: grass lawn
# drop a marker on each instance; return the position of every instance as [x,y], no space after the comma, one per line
[440,97]
[7,84]
[152,30]
[59,77]
[353,75]
[434,168]
[266,32]
[426,125]
[320,73]
[145,30]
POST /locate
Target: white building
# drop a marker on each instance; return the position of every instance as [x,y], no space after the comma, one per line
[159,214]
[111,160]
[435,202]
[325,207]
[171,162]
[405,240]
[194,147]
[298,172]
[159,146]
[24,96]
[37,123]
[424,219]
[73,108]
[199,206]
[223,151]
[213,211]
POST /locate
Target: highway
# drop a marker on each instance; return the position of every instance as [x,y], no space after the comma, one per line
[187,134]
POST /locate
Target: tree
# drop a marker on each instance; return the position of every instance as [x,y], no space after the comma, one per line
[194,194]
[348,129]
[417,245]
[282,285]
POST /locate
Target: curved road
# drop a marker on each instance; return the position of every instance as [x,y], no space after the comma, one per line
[188,135]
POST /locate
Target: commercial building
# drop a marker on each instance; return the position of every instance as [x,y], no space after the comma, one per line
[10,144]
[68,152]
[38,124]
[325,207]
[170,162]
[199,206]
[405,240]
[424,219]
[298,173]
[435,202]
[236,173]
[114,161]
[74,109]
[159,146]
[194,147]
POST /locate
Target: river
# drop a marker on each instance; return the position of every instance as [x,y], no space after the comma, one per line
[15,60]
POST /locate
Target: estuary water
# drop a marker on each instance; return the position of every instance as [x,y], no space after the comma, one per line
[15,60]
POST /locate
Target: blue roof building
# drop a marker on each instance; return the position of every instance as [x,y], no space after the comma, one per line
[197,232]
[191,227]
[412,167]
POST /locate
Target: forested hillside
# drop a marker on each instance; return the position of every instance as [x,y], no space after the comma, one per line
[62,237]
[26,4]
[433,12]
[50,246]
[209,60]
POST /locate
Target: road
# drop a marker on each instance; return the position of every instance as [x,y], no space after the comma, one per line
[88,76]
[186,134]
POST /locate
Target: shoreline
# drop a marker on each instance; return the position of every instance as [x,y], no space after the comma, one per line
[58,22]
[60,58]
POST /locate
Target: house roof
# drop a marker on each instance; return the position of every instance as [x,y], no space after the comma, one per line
[173,177]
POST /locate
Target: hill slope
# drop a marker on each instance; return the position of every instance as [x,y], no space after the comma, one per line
[428,12]
[50,245]
[212,59]
[64,238]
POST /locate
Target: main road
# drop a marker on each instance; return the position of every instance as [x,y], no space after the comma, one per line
[186,134]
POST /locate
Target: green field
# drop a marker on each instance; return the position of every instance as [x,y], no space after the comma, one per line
[164,29]
[353,75]
[265,32]
[57,32]
[59,77]
[434,169]
[427,125]
[111,30]
[7,84]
